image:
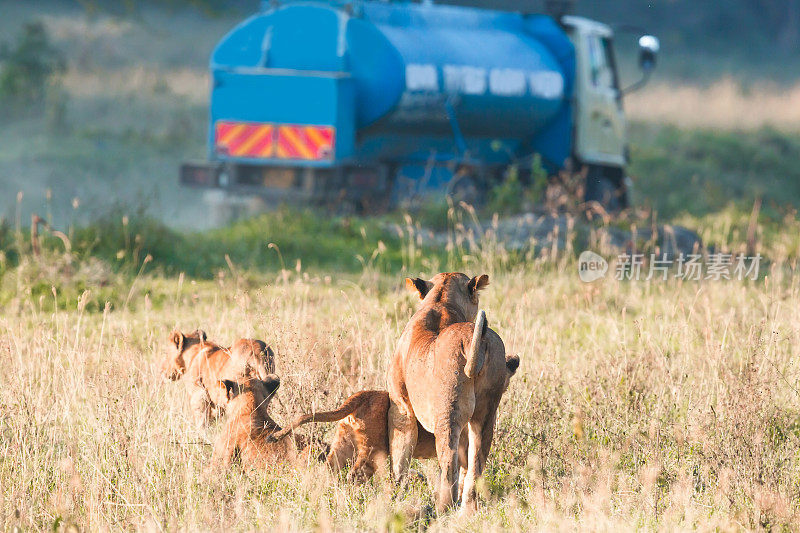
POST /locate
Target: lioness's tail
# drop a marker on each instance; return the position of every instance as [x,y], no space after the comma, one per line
[350,406]
[476,355]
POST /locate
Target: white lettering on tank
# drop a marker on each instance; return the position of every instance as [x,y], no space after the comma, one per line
[341,44]
[546,84]
[507,82]
[421,77]
[465,79]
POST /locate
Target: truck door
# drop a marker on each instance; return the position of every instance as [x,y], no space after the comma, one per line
[600,135]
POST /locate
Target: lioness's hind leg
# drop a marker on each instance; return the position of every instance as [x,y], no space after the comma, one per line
[463,449]
[447,440]
[402,438]
[481,432]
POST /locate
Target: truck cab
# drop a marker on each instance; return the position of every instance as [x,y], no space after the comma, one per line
[599,129]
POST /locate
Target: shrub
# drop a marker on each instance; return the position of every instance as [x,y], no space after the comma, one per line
[513,196]
[29,67]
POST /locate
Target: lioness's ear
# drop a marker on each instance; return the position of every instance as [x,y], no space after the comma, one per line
[177,338]
[477,283]
[420,286]
[200,334]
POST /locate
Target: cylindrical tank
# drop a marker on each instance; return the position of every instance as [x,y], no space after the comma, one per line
[430,70]
[499,79]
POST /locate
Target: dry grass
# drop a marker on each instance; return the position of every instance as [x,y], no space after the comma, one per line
[724,105]
[637,405]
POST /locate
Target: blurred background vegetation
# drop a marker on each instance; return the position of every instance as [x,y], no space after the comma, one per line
[746,39]
[702,40]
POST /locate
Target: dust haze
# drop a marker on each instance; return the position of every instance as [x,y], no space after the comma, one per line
[134,99]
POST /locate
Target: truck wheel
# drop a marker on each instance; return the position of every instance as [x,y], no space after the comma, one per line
[606,187]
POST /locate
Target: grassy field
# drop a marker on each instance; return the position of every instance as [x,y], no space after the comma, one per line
[654,405]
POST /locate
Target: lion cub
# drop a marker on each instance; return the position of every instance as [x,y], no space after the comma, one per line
[203,361]
[361,435]
[362,432]
[248,426]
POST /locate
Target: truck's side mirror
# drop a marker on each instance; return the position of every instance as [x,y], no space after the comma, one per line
[648,51]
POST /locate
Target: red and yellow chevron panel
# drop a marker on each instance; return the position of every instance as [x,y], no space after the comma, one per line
[244,139]
[259,140]
[305,142]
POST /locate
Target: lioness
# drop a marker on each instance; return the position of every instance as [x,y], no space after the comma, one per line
[361,435]
[448,373]
[248,425]
[203,361]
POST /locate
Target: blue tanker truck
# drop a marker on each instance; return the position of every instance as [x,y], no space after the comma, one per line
[369,102]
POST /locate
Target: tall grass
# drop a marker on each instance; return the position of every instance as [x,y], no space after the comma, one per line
[637,405]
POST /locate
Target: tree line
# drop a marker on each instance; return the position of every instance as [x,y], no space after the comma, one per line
[766,24]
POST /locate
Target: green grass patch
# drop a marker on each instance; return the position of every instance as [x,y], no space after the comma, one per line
[701,172]
[266,243]
[108,256]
